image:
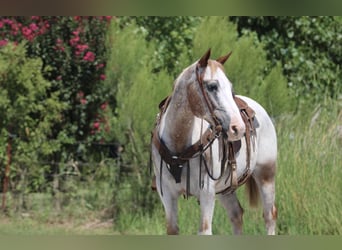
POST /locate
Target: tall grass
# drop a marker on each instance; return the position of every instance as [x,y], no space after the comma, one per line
[308,184]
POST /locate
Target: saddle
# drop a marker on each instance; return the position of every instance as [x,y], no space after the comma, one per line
[248,116]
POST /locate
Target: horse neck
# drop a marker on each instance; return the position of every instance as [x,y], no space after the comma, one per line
[177,124]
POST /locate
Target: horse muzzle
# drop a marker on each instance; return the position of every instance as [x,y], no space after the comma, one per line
[234,129]
[223,119]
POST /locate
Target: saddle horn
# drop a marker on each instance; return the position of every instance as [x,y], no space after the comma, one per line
[223,59]
[203,62]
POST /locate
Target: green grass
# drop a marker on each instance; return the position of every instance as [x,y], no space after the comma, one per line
[308,194]
[308,185]
[78,216]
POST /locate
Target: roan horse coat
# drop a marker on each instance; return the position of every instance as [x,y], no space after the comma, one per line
[204,146]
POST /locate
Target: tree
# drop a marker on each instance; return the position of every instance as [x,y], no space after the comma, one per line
[248,68]
[174,36]
[137,93]
[309,49]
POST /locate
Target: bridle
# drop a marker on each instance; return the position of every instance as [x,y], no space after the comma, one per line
[210,106]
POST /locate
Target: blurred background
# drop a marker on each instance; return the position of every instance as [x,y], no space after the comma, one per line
[79,97]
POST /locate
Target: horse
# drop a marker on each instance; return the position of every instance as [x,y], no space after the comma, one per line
[203,146]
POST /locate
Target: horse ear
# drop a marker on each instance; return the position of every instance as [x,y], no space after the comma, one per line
[203,62]
[223,59]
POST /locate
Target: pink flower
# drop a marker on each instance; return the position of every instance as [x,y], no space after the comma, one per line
[89,56]
[59,45]
[103,77]
[96,125]
[1,24]
[8,21]
[3,42]
[99,66]
[80,48]
[104,105]
[33,26]
[83,101]
[74,40]
[26,31]
[75,32]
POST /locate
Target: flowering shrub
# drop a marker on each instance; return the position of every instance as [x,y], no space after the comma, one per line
[72,111]
[74,49]
[27,113]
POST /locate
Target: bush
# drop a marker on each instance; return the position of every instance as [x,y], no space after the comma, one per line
[138,92]
[73,49]
[28,112]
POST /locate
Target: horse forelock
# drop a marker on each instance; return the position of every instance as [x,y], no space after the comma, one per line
[189,73]
[214,67]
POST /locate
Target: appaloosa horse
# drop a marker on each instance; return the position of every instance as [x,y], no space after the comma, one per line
[207,141]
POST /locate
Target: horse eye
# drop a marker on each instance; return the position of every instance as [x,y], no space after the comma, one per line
[212,86]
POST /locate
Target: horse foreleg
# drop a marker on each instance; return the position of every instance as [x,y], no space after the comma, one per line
[234,210]
[171,212]
[207,204]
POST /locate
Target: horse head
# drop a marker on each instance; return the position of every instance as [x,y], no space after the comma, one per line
[210,97]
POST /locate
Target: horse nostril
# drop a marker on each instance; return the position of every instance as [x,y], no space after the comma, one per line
[235,130]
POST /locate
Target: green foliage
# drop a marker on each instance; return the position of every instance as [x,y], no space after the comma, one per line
[173,35]
[27,112]
[71,47]
[73,50]
[247,68]
[309,49]
[138,91]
